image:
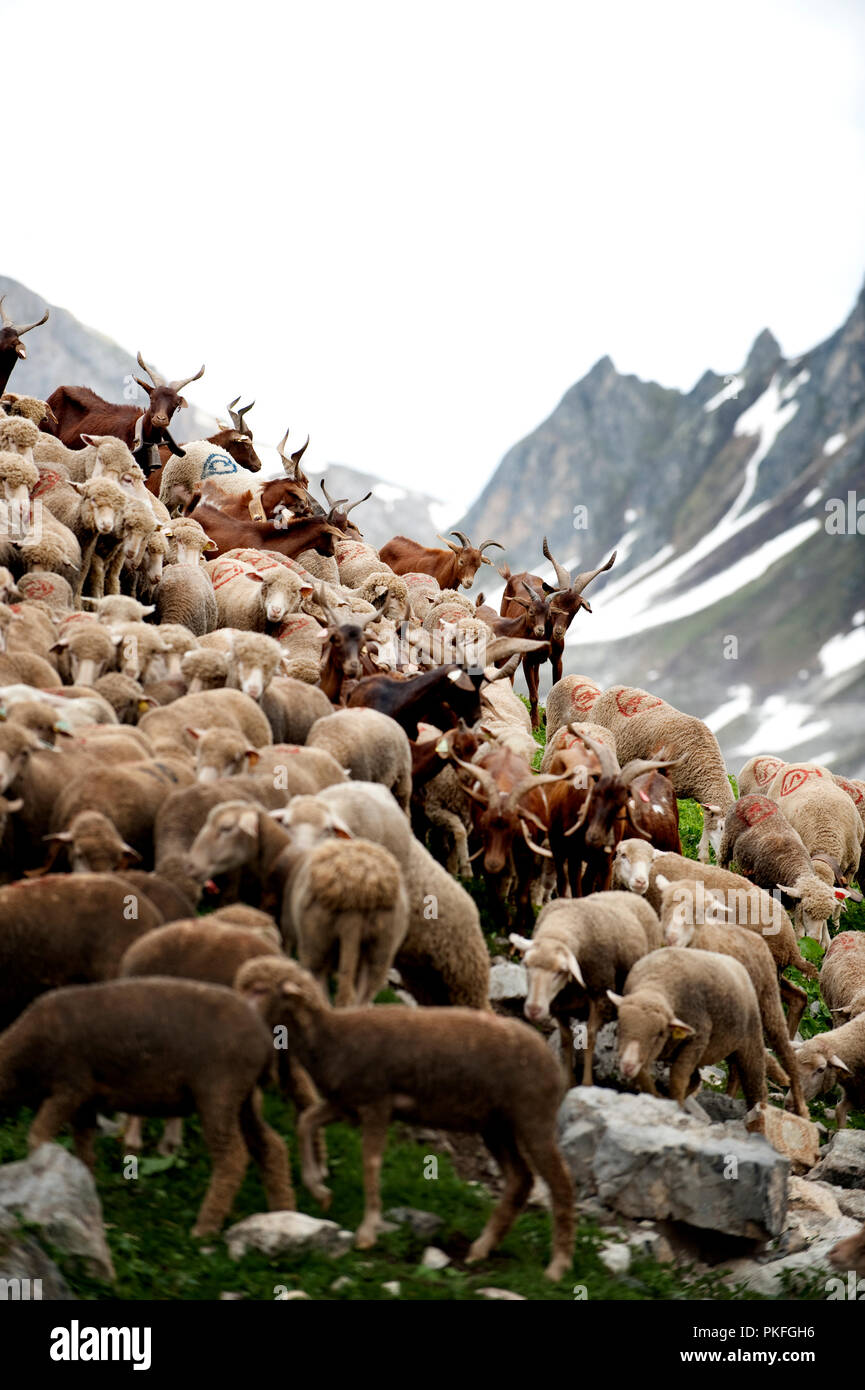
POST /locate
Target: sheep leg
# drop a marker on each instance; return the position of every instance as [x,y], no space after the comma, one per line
[133,1138]
[374,1119]
[86,559]
[842,1111]
[307,1123]
[682,1070]
[751,1062]
[591,1037]
[566,1039]
[172,1137]
[545,1158]
[796,1000]
[230,1155]
[347,971]
[297,1084]
[374,970]
[54,1112]
[518,1184]
[269,1153]
[703,847]
[83,1137]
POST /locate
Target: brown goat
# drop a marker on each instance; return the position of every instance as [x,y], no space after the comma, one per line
[458,565]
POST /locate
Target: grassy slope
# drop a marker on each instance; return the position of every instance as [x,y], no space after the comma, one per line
[148,1219]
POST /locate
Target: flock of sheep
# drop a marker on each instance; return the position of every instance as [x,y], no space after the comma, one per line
[321,741]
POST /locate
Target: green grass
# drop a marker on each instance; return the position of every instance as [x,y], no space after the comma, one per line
[148,1219]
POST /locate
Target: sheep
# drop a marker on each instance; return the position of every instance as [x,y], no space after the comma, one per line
[182,477]
[507,720]
[153,1047]
[256,598]
[40,718]
[581,948]
[293,707]
[396,607]
[204,669]
[116,609]
[97,514]
[78,708]
[227,709]
[307,770]
[458,1069]
[88,650]
[124,695]
[690,1008]
[371,745]
[644,724]
[422,589]
[822,813]
[48,588]
[18,478]
[30,407]
[130,793]
[355,561]
[771,853]
[184,812]
[65,929]
[93,845]
[23,668]
[836,1058]
[221,753]
[691,916]
[141,650]
[842,975]
[254,658]
[156,554]
[564,739]
[177,640]
[637,866]
[47,545]
[18,435]
[185,594]
[350,910]
[570,702]
[443,958]
[758,773]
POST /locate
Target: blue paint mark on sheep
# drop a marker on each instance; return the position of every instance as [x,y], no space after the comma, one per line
[218,463]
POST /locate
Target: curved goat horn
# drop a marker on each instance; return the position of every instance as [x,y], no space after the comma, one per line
[298,453]
[461,536]
[151,372]
[480,774]
[237,416]
[323,604]
[637,766]
[483,545]
[581,581]
[346,510]
[538,849]
[563,578]
[327,497]
[179,384]
[450,545]
[22,328]
[605,756]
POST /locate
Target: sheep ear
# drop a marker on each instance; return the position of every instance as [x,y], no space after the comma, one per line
[614,998]
[574,968]
[289,988]
[522,943]
[60,645]
[211,544]
[92,439]
[63,836]
[131,853]
[306,590]
[791,893]
[711,806]
[247,821]
[145,703]
[836,1061]
[656,853]
[679,1029]
[340,829]
[662,882]
[195,733]
[13,806]
[147,609]
[252,756]
[254,575]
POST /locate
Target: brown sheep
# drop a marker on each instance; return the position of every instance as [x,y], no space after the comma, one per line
[155,1047]
[458,1069]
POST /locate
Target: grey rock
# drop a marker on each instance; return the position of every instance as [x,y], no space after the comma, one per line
[433,1258]
[278,1232]
[615,1258]
[393,1287]
[22,1260]
[719,1107]
[643,1157]
[504,1295]
[54,1191]
[423,1223]
[508,981]
[843,1161]
[765,1277]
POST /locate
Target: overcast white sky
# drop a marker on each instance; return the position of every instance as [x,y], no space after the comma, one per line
[408,229]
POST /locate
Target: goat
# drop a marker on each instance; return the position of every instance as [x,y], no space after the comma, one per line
[457,565]
[11,346]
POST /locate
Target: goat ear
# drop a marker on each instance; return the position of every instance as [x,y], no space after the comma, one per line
[838,1062]
[182,403]
[614,998]
[680,1029]
[522,943]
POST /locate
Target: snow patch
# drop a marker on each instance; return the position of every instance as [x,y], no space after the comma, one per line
[843,652]
[765,418]
[729,392]
[782,726]
[630,515]
[388,493]
[793,386]
[813,496]
[738,704]
[834,443]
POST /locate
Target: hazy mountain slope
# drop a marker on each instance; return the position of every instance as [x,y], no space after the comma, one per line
[733,593]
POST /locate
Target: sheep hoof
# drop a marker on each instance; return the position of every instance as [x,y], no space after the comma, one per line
[202,1229]
[557,1268]
[323,1196]
[365,1238]
[478,1252]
